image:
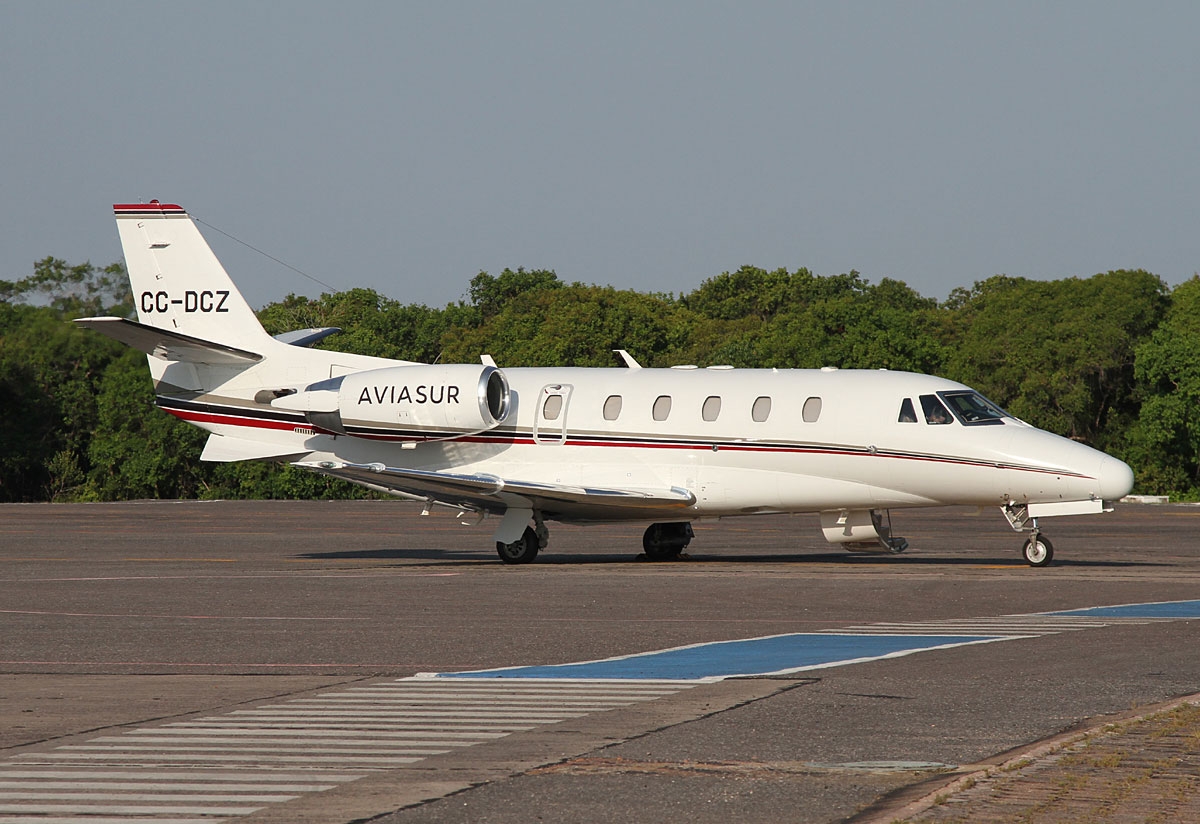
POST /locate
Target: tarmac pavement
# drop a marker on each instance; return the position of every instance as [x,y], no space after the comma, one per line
[126,619]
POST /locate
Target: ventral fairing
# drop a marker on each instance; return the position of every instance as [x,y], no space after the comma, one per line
[527,446]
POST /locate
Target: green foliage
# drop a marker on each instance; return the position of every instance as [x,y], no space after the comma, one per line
[1165,442]
[138,451]
[490,294]
[757,318]
[370,324]
[49,374]
[1059,354]
[572,325]
[73,291]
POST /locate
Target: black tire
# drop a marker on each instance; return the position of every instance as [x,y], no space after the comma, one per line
[1038,551]
[664,542]
[521,551]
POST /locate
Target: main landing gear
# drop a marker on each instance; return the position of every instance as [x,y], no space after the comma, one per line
[664,542]
[661,542]
[525,549]
[521,551]
[1037,551]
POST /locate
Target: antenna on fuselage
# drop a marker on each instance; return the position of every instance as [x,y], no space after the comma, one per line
[628,359]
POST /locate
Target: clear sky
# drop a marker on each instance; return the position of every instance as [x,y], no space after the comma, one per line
[406,146]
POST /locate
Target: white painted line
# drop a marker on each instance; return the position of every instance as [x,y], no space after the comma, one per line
[128,809]
[468,682]
[347,745]
[478,713]
[232,735]
[458,724]
[463,686]
[99,819]
[381,749]
[161,785]
[142,797]
[256,758]
[581,702]
[184,775]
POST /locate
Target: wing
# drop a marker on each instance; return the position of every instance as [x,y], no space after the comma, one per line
[489,493]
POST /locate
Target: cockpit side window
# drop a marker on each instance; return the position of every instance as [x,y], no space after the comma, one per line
[974,409]
[907,414]
[935,413]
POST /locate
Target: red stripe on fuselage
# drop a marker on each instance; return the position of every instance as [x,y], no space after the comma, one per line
[236,420]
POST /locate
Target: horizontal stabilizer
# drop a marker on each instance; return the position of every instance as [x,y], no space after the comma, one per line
[223,449]
[495,494]
[307,337]
[168,345]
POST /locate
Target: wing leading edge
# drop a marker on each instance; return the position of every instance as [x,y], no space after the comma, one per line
[490,493]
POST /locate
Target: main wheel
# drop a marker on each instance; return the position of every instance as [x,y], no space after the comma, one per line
[1038,551]
[662,542]
[521,551]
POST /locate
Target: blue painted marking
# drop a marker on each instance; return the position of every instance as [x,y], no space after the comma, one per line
[753,656]
[1165,609]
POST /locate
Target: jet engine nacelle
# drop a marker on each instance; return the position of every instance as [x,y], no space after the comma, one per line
[417,402]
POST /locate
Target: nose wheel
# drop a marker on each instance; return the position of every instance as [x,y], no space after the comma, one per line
[1038,550]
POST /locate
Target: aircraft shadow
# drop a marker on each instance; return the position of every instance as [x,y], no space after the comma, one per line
[416,554]
[482,557]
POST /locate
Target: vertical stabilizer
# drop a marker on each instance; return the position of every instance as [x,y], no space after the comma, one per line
[178,283]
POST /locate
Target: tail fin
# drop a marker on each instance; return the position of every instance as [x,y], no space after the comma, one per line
[178,283]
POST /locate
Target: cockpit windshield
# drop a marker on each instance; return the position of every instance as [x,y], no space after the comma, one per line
[973,409]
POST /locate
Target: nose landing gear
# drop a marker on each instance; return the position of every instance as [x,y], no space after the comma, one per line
[1037,551]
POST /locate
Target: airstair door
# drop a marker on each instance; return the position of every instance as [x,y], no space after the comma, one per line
[550,425]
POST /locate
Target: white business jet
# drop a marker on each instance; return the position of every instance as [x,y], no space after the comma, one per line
[582,445]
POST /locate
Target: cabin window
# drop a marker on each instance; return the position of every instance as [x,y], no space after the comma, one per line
[662,407]
[552,408]
[811,411]
[935,413]
[711,408]
[974,409]
[761,409]
[612,407]
[907,413]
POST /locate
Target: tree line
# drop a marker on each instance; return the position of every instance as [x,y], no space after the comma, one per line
[1112,360]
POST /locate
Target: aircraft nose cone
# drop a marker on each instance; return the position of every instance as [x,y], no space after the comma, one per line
[1116,479]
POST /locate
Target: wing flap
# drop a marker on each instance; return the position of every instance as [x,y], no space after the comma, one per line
[225,448]
[494,494]
[168,345]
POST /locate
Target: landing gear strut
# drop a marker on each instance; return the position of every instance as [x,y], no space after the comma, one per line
[662,542]
[1038,551]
